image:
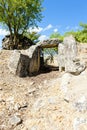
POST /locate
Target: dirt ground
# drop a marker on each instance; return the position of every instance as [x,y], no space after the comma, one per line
[39,102]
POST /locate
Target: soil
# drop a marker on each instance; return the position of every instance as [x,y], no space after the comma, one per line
[39,102]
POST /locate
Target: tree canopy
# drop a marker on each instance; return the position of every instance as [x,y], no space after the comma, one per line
[34,36]
[19,15]
[56,35]
[80,35]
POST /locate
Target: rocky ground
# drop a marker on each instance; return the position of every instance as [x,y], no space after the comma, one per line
[55,101]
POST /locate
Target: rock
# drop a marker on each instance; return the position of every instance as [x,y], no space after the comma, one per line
[26,63]
[15,120]
[78,122]
[22,66]
[40,103]
[1,88]
[10,103]
[17,107]
[61,56]
[70,47]
[67,52]
[65,81]
[13,61]
[50,43]
[34,63]
[81,104]
[18,64]
[78,68]
[70,52]
[24,43]
[67,57]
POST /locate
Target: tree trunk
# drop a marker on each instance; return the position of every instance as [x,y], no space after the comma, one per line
[15,38]
[11,37]
[15,41]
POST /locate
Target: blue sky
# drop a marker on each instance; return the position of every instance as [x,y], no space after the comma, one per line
[63,15]
[60,16]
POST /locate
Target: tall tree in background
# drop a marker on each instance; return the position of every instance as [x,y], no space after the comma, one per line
[84,27]
[19,15]
[54,50]
[56,35]
[80,35]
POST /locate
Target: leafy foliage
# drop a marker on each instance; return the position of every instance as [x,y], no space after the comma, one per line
[34,36]
[80,35]
[56,35]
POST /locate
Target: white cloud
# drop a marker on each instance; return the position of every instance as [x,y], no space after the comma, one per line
[55,30]
[48,27]
[35,29]
[43,37]
[3,32]
[39,29]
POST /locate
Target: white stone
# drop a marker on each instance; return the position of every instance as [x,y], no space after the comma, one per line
[15,120]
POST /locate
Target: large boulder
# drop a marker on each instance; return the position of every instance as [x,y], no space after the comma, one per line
[13,61]
[67,56]
[22,66]
[61,56]
[23,43]
[34,59]
[18,64]
[26,62]
[70,47]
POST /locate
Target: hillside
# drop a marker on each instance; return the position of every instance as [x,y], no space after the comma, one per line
[54,100]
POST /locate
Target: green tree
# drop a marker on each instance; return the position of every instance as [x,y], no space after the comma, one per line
[70,33]
[84,27]
[80,35]
[19,15]
[56,35]
[83,33]
[34,36]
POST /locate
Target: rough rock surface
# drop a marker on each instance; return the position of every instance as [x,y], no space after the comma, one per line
[54,42]
[34,59]
[26,62]
[61,56]
[24,43]
[67,56]
[13,61]
[55,100]
[15,120]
